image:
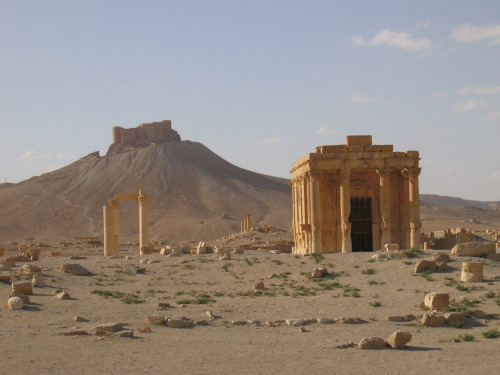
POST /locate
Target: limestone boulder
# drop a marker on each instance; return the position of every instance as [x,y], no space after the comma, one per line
[494,256]
[372,343]
[108,328]
[5,277]
[391,247]
[38,280]
[440,257]
[181,322]
[433,320]
[295,322]
[63,295]
[15,303]
[259,286]
[156,319]
[472,272]
[24,297]
[454,318]
[29,270]
[75,269]
[9,261]
[399,339]
[425,265]
[319,272]
[325,320]
[473,249]
[437,301]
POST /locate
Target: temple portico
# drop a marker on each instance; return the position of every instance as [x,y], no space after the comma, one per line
[355,197]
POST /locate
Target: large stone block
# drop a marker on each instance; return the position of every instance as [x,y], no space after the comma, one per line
[433,320]
[398,339]
[473,249]
[359,140]
[75,269]
[372,343]
[437,301]
[472,272]
[425,265]
[22,287]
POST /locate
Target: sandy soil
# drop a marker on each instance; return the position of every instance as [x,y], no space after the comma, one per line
[33,340]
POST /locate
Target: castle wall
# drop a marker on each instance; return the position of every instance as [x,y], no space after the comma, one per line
[145,134]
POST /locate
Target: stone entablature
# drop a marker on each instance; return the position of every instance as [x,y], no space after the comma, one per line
[145,134]
[381,183]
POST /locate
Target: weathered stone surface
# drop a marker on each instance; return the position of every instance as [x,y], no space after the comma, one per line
[38,280]
[391,247]
[165,250]
[472,272]
[225,254]
[395,255]
[433,320]
[108,328]
[201,248]
[75,269]
[2,251]
[130,269]
[156,319]
[440,257]
[398,339]
[75,333]
[494,256]
[80,319]
[163,305]
[453,317]
[29,270]
[424,265]
[442,266]
[22,287]
[5,277]
[259,286]
[473,249]
[372,343]
[409,317]
[15,303]
[395,318]
[239,251]
[295,322]
[55,253]
[437,301]
[124,333]
[4,267]
[10,261]
[350,320]
[24,297]
[63,295]
[180,323]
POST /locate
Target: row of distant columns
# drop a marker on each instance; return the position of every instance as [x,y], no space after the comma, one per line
[245,224]
[111,224]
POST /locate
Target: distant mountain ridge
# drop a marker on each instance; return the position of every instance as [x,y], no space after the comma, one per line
[459,202]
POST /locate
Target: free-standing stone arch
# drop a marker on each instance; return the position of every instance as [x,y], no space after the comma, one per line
[355,197]
[111,224]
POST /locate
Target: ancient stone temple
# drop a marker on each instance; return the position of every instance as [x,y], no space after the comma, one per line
[355,197]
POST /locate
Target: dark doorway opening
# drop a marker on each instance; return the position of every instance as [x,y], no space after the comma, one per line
[361,224]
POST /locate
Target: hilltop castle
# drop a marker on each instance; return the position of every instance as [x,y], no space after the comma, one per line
[143,136]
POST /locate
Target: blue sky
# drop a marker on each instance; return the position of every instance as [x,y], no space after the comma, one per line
[261,83]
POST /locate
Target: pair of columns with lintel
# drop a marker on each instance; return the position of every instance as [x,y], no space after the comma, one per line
[111,222]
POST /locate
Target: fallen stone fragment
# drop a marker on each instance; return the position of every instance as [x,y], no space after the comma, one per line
[398,339]
[437,301]
[124,333]
[391,247]
[202,322]
[442,266]
[295,322]
[302,329]
[144,261]
[29,270]
[77,257]
[254,322]
[55,253]
[425,265]
[238,322]
[38,280]
[455,318]
[108,328]
[395,255]
[239,251]
[396,318]
[494,256]
[156,319]
[325,320]
[75,333]
[63,295]
[319,272]
[22,287]
[180,323]
[15,303]
[22,258]
[372,343]
[225,254]
[433,320]
[440,257]
[75,269]
[130,269]
[10,261]
[80,319]
[201,248]
[473,249]
[409,317]
[153,261]
[24,297]
[259,286]
[350,320]
[163,305]
[5,277]
[347,345]
[472,272]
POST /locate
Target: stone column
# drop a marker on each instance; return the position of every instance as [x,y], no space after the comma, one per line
[345,209]
[414,197]
[108,230]
[115,204]
[249,222]
[385,206]
[315,212]
[143,221]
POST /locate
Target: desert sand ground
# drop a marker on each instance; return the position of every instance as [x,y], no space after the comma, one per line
[357,286]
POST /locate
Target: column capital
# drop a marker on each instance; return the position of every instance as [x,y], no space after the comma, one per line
[143,199]
[115,203]
[345,173]
[385,172]
[412,173]
[415,225]
[314,174]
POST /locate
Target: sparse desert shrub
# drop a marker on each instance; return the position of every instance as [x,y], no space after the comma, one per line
[376,304]
[368,271]
[492,334]
[412,253]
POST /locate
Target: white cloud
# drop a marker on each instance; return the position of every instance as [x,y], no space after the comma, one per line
[360,98]
[468,33]
[394,39]
[421,25]
[480,90]
[472,105]
[270,141]
[325,130]
[35,155]
[436,95]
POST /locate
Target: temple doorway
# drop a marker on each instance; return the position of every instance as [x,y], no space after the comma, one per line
[361,221]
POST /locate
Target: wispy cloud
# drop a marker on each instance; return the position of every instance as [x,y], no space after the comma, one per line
[270,141]
[472,105]
[36,155]
[479,90]
[436,95]
[394,39]
[360,98]
[494,177]
[468,33]
[325,130]
[421,25]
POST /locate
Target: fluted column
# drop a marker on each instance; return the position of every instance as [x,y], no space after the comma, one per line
[143,200]
[385,206]
[108,230]
[115,204]
[314,192]
[414,197]
[345,209]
